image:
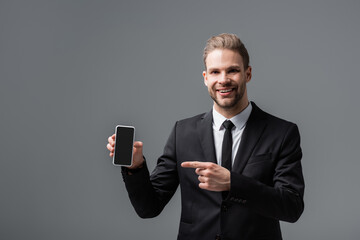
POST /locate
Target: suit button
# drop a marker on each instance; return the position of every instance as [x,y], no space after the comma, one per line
[217,237]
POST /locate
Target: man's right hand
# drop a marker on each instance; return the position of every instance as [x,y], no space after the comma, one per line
[138,158]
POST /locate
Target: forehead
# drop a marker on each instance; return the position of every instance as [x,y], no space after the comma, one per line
[223,58]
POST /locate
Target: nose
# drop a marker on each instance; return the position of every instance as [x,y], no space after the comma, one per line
[223,78]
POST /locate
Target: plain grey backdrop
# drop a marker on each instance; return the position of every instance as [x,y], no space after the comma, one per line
[71,70]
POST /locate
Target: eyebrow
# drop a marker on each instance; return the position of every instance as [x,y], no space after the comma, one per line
[234,67]
[228,68]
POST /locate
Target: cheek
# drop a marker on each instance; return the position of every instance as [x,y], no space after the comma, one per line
[211,86]
[210,82]
[240,79]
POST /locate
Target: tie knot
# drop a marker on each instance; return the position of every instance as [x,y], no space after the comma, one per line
[228,124]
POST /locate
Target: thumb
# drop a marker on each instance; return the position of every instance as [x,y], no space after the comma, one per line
[138,144]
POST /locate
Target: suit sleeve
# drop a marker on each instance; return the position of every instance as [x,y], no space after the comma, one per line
[149,194]
[283,199]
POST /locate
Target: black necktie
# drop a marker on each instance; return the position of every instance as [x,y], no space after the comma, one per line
[227,145]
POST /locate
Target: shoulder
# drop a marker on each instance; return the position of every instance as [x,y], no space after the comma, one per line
[192,120]
[272,121]
[188,127]
[275,129]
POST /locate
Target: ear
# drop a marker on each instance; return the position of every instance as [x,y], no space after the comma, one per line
[205,77]
[248,74]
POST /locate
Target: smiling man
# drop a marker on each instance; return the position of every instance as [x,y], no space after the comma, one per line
[239,168]
[226,78]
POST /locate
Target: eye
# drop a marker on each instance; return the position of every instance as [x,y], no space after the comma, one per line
[214,72]
[234,70]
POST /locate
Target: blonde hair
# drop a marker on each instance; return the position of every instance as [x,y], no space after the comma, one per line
[227,41]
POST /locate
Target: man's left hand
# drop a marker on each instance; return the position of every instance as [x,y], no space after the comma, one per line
[212,177]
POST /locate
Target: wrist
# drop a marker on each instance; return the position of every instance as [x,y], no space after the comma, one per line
[134,169]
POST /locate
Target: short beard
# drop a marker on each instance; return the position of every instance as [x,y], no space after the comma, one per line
[234,102]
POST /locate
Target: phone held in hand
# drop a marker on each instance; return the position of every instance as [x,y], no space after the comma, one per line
[124,143]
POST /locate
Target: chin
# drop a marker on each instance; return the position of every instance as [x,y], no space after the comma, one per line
[227,104]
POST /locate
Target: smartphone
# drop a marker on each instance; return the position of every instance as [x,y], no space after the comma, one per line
[124,142]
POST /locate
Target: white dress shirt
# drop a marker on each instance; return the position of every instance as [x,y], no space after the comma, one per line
[239,121]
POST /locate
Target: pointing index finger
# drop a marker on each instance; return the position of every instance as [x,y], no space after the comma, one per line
[194,164]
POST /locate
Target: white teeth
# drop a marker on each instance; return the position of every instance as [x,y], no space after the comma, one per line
[225,91]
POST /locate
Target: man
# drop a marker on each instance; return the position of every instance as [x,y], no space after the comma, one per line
[238,167]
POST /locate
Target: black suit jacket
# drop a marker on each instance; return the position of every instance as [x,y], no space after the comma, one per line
[266,180]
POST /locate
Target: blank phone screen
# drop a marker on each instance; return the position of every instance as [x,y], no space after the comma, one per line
[124,141]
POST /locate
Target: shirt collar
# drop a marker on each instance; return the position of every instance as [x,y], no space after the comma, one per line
[238,120]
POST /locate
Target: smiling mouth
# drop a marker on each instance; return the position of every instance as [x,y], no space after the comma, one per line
[225,90]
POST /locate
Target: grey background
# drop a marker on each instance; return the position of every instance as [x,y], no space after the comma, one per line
[71,70]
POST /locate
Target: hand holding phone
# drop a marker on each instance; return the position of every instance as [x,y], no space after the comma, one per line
[124,150]
[124,143]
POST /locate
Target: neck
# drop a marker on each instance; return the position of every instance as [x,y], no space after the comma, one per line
[231,112]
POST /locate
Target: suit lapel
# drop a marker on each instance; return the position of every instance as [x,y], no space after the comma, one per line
[205,126]
[207,138]
[251,135]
